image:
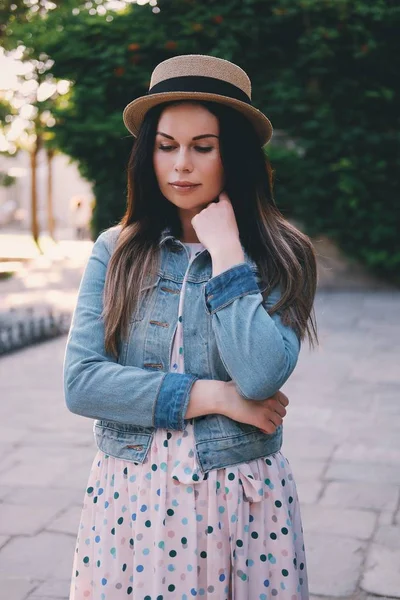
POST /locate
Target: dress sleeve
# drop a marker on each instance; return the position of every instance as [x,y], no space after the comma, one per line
[95,384]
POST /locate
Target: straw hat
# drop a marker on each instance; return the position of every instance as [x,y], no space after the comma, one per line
[198,77]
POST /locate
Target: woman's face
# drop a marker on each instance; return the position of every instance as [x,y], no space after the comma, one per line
[187,150]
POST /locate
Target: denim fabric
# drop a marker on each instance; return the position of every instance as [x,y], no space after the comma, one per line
[227,335]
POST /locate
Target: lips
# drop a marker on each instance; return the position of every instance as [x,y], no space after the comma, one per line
[184,184]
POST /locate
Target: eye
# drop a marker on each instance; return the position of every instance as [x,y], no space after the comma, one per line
[166,148]
[204,148]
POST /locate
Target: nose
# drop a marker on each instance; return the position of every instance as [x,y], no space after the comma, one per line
[183,162]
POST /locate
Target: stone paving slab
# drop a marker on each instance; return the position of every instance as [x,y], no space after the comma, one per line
[333,439]
[358,524]
[334,563]
[356,494]
[15,588]
[375,474]
[382,571]
[52,589]
[41,557]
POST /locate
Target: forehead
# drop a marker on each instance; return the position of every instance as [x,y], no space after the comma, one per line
[187,118]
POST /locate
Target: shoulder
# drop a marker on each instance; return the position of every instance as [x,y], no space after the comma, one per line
[109,237]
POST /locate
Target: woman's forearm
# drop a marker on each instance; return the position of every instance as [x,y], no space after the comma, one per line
[207,397]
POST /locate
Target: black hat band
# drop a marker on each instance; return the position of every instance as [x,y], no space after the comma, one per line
[198,83]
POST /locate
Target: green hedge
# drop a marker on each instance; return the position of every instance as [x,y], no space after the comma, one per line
[325,72]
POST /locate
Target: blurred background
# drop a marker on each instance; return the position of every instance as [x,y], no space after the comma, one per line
[326,72]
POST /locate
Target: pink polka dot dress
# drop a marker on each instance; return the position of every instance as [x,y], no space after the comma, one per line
[162,530]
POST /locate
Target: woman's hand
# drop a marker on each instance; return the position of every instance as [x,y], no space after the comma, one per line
[266,414]
[216,226]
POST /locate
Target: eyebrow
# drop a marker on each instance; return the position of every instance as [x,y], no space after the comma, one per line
[197,137]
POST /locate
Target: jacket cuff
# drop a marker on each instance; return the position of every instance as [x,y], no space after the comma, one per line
[229,285]
[172,401]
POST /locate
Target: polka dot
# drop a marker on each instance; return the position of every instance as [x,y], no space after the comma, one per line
[254,535]
[285,572]
[120,520]
[203,554]
[284,530]
[140,568]
[148,523]
[278,503]
[239,543]
[273,536]
[231,476]
[263,558]
[171,587]
[116,495]
[129,590]
[86,560]
[104,581]
[290,499]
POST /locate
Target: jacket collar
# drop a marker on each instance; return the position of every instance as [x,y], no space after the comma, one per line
[166,234]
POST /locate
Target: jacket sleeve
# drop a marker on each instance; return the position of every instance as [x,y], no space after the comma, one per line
[95,384]
[258,350]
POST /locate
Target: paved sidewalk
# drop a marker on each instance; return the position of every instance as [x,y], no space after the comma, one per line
[342,436]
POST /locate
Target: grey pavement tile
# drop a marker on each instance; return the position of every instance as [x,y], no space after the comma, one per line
[355,494]
[351,523]
[380,597]
[75,478]
[67,523]
[309,491]
[382,571]
[386,517]
[389,536]
[11,435]
[44,556]
[297,444]
[21,520]
[327,557]
[3,538]
[30,473]
[311,435]
[358,452]
[15,588]
[376,474]
[371,370]
[37,496]
[307,470]
[53,588]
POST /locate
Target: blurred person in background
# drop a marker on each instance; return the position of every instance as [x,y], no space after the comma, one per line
[81,212]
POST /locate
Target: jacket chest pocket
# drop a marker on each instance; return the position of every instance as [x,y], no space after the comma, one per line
[146,299]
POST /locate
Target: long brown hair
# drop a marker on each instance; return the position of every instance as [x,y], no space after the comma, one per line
[284,255]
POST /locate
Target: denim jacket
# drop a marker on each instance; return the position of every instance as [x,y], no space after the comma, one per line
[227,335]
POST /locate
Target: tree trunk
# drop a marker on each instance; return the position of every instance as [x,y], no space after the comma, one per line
[34,218]
[50,214]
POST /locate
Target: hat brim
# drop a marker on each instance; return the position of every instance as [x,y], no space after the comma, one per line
[135,111]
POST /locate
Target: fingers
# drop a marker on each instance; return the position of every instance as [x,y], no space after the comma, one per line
[281,397]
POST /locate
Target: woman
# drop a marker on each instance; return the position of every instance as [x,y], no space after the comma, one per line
[189,319]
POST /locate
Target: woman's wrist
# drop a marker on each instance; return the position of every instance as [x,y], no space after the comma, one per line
[207,397]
